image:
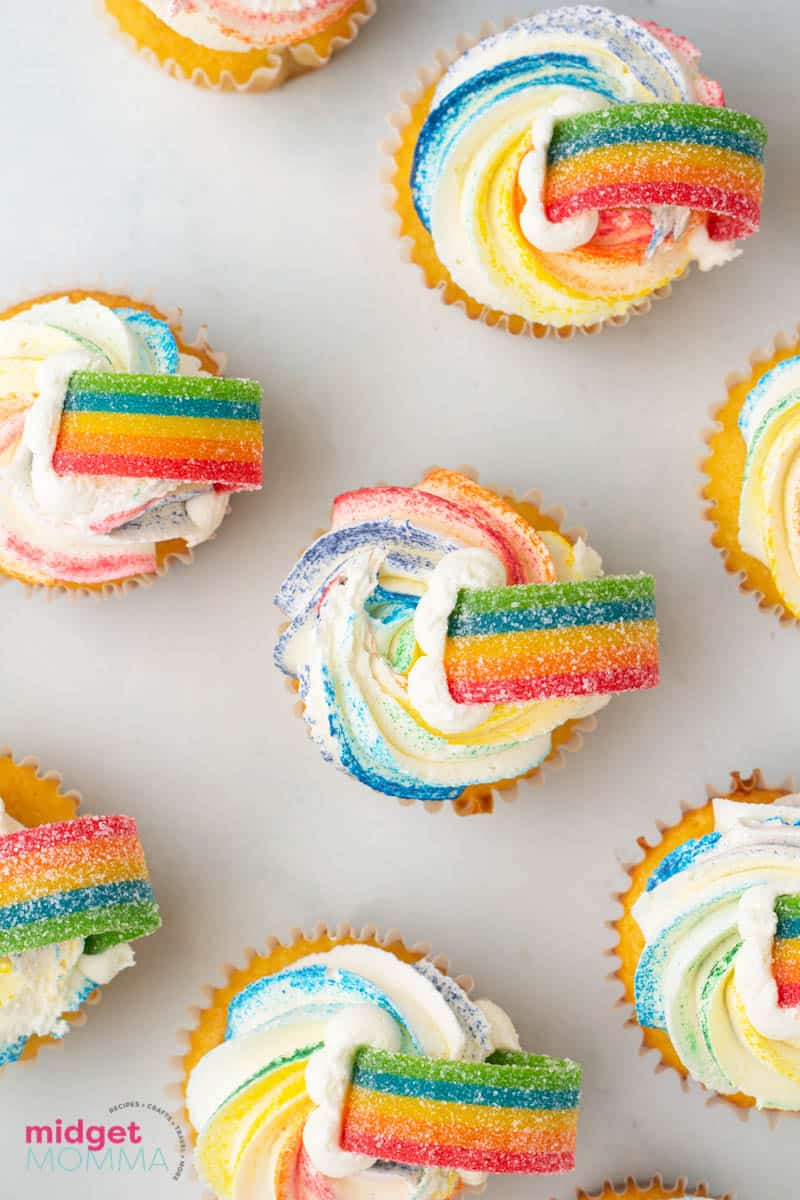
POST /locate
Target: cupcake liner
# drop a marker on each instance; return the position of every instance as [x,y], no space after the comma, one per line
[33,797]
[167,552]
[207,1022]
[723,468]
[656,1189]
[567,739]
[694,822]
[257,70]
[417,243]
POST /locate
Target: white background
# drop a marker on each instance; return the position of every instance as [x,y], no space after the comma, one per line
[262,216]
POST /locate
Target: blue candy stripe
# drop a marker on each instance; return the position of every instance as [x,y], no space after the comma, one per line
[58,904]
[162,406]
[788,927]
[665,131]
[448,1092]
[557,616]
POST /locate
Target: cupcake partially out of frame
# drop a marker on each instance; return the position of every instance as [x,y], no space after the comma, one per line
[74,892]
[559,174]
[752,472]
[656,1189]
[239,45]
[447,640]
[347,1064]
[120,443]
[709,945]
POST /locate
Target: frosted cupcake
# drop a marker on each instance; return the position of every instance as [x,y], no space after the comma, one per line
[657,1189]
[447,641]
[710,946]
[74,892]
[559,174]
[348,1065]
[242,45]
[752,473]
[119,449]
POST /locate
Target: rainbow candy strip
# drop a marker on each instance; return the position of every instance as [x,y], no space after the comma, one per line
[542,640]
[85,878]
[786,951]
[636,155]
[185,427]
[514,1113]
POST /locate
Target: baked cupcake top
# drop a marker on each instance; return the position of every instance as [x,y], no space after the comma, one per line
[112,441]
[577,162]
[770,496]
[72,896]
[248,24]
[352,1072]
[720,971]
[439,639]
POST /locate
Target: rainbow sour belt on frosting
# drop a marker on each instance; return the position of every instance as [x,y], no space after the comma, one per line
[769,507]
[199,429]
[553,194]
[95,515]
[353,1073]
[719,971]
[369,604]
[536,641]
[72,895]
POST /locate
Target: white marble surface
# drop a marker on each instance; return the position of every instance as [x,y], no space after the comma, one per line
[261,215]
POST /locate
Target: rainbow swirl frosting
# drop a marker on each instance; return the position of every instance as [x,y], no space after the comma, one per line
[368,606]
[351,1071]
[75,520]
[769,506]
[249,24]
[720,969]
[72,895]
[575,163]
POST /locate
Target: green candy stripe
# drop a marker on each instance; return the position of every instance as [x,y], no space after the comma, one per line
[510,1069]
[540,595]
[204,387]
[127,921]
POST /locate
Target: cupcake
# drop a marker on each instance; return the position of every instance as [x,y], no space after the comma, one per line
[558,175]
[345,1064]
[656,1189]
[119,447]
[709,945]
[752,472]
[447,641]
[239,45]
[74,892]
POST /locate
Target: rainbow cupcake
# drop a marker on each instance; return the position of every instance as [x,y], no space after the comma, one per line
[559,174]
[120,445]
[346,1060]
[447,641]
[74,892]
[751,478]
[709,945]
[239,45]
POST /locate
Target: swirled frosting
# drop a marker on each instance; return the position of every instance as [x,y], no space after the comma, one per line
[83,528]
[481,159]
[289,1045]
[242,25]
[769,509]
[40,986]
[368,605]
[721,919]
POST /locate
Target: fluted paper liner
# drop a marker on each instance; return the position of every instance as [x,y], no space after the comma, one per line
[33,797]
[174,550]
[257,70]
[207,1021]
[417,243]
[566,739]
[656,1189]
[723,468]
[694,823]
